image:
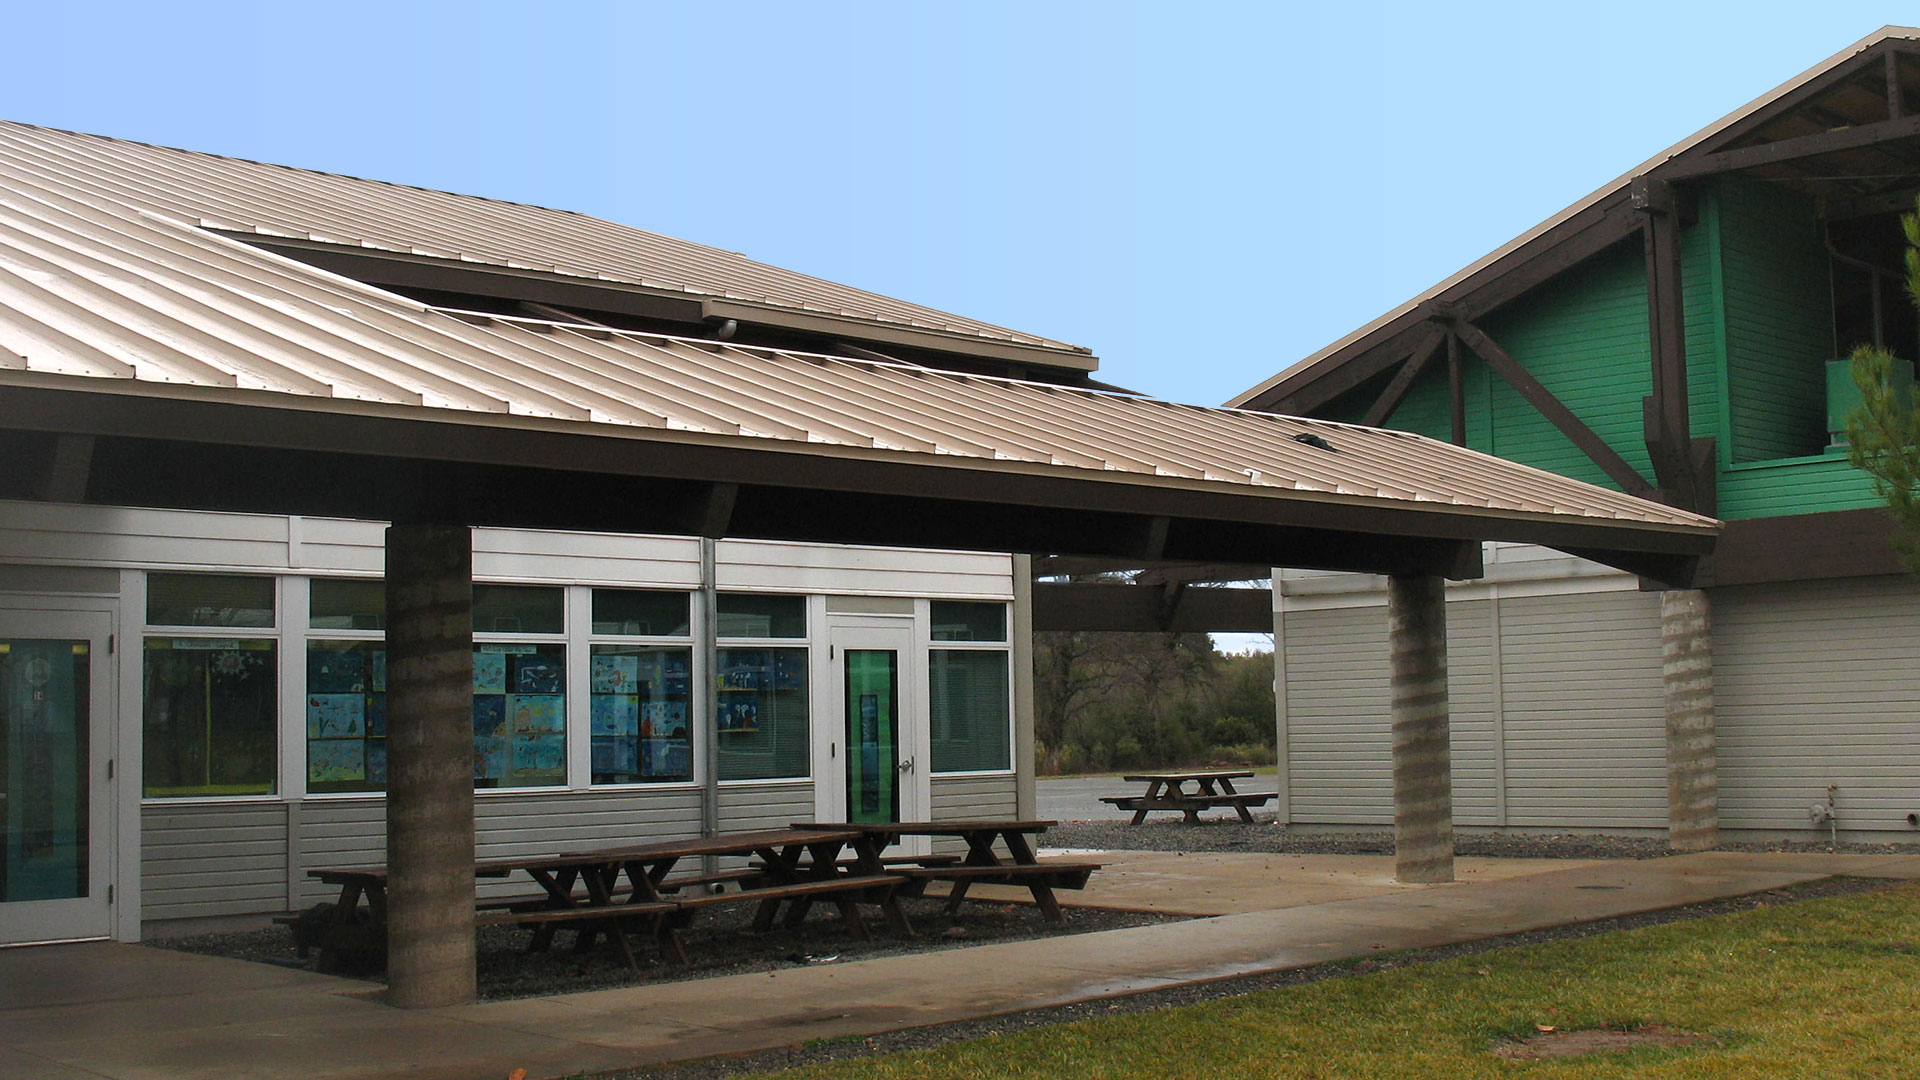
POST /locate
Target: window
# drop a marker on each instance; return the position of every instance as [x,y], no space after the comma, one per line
[519,715]
[346,716]
[969,693]
[640,613]
[518,609]
[970,714]
[746,615]
[209,707]
[761,707]
[967,620]
[209,703]
[640,704]
[209,600]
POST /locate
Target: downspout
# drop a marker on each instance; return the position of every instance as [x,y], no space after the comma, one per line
[703,695]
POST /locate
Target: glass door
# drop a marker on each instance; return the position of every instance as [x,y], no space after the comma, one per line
[872,764]
[872,680]
[55,686]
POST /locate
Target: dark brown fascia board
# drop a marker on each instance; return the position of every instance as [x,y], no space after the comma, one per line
[1687,167]
[1803,547]
[407,270]
[1568,244]
[295,423]
[1131,608]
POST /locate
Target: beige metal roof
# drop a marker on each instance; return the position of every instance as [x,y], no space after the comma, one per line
[1610,189]
[99,296]
[275,201]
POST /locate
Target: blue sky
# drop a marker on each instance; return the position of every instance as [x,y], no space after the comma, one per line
[1201,192]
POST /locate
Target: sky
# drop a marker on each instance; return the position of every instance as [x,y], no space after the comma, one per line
[1202,193]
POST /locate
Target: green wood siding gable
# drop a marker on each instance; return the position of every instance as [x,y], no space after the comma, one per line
[1759,326]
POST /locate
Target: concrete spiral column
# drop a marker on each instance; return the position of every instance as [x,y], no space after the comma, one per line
[1686,672]
[1422,763]
[430,946]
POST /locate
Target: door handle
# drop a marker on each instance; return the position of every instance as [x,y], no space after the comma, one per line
[906,765]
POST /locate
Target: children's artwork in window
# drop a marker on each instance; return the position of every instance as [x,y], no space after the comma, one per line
[639,700]
[519,715]
[346,702]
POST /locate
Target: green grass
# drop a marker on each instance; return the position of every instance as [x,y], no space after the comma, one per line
[1821,989]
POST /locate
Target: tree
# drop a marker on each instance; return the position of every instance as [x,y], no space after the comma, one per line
[1883,434]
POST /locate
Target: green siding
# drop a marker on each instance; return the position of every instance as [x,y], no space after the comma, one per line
[1758,324]
[1794,487]
[1779,321]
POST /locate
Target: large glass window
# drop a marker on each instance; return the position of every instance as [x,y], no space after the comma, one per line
[761,713]
[209,711]
[970,704]
[342,604]
[639,714]
[346,716]
[519,715]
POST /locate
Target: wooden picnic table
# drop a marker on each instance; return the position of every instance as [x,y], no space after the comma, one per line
[646,903]
[981,864]
[1167,791]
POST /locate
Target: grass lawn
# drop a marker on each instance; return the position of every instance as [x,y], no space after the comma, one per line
[1821,989]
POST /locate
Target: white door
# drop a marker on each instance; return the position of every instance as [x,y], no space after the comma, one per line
[875,730]
[56,712]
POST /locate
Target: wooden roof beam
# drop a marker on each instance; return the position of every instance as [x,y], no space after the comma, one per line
[1396,391]
[1556,412]
[1785,150]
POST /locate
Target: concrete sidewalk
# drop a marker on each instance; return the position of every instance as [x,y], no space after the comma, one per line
[118,1011]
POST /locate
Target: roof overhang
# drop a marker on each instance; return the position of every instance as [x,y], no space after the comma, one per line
[224,449]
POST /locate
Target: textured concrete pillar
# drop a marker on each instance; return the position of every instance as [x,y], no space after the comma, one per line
[1422,764]
[430,949]
[1686,672]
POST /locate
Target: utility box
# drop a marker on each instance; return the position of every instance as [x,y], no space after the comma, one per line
[1843,397]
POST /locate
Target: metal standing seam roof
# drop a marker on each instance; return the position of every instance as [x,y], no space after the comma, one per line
[96,295]
[1612,188]
[277,201]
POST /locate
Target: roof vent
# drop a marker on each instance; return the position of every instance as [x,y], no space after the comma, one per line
[1310,439]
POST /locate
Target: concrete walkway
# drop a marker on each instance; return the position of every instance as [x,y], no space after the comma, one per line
[119,1011]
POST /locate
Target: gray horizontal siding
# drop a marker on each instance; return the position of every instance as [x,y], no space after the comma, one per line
[1560,722]
[1818,683]
[205,860]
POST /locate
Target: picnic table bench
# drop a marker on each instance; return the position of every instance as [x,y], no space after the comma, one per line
[981,864]
[1167,791]
[655,901]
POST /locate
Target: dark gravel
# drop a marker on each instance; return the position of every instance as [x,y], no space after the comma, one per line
[1194,993]
[1171,834]
[721,942]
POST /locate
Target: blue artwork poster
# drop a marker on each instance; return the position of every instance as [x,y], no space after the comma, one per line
[489,716]
[666,757]
[332,716]
[489,673]
[376,761]
[539,755]
[330,672]
[615,714]
[489,758]
[616,674]
[334,760]
[538,675]
[537,712]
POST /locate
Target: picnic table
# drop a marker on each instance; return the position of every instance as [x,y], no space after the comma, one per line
[981,864]
[1167,791]
[654,900]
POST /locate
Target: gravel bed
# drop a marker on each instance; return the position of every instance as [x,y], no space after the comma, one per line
[1171,834]
[721,942]
[1194,993]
